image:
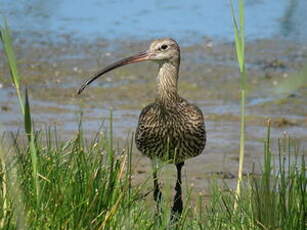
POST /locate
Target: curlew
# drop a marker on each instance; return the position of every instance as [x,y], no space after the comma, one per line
[169,129]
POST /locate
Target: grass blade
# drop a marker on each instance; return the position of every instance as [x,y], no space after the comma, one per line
[27,116]
[6,40]
[31,139]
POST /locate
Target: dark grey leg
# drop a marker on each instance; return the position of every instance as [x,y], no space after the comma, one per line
[177,205]
[157,193]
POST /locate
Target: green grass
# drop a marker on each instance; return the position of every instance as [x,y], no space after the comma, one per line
[5,35]
[86,185]
[46,183]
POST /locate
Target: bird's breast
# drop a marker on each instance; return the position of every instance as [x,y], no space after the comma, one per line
[172,134]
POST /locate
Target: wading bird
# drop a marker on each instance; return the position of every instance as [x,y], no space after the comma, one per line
[169,129]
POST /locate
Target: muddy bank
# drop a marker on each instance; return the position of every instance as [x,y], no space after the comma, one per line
[208,77]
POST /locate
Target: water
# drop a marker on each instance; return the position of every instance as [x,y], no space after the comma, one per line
[137,19]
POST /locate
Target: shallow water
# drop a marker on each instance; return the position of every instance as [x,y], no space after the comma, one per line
[137,19]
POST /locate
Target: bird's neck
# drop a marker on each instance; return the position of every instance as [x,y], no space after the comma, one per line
[167,82]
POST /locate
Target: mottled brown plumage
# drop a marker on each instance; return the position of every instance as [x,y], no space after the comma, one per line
[171,133]
[170,129]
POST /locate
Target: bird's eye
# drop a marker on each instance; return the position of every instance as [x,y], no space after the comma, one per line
[164,47]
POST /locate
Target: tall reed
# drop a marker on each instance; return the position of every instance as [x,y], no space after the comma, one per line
[240,50]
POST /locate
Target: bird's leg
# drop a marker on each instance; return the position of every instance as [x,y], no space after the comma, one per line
[177,205]
[157,193]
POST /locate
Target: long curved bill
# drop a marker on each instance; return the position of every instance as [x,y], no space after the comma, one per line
[143,56]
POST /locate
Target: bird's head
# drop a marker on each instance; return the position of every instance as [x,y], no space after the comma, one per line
[164,50]
[161,50]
